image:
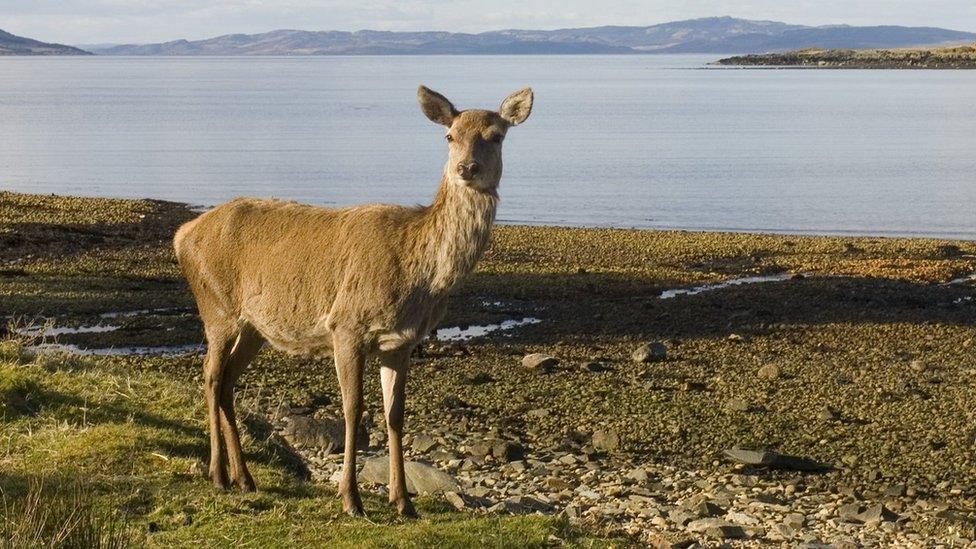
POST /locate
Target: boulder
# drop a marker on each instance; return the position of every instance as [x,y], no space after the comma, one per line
[325,434]
[421,478]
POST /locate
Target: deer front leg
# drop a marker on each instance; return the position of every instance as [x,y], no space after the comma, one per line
[350,361]
[393,377]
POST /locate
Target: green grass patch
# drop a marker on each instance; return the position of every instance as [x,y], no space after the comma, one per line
[130,447]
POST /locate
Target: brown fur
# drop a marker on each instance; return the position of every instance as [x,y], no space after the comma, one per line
[353,283]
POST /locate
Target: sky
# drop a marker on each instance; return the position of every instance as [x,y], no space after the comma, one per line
[144,21]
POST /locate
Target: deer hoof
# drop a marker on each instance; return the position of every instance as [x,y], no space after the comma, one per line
[353,506]
[219,481]
[406,510]
[246,484]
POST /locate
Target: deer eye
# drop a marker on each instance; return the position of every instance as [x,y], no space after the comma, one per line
[449,138]
[495,138]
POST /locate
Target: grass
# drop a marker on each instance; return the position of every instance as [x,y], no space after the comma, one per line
[62,515]
[137,440]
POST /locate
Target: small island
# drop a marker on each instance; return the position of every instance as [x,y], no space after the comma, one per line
[955,57]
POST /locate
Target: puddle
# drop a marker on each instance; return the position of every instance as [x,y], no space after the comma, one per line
[459,334]
[668,294]
[962,280]
[48,331]
[165,350]
[143,312]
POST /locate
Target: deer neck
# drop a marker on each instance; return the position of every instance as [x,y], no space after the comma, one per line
[455,230]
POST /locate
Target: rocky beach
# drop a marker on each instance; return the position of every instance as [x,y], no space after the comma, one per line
[955,57]
[659,388]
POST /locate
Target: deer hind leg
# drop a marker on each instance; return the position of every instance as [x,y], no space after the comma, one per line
[219,343]
[393,377]
[350,360]
[246,347]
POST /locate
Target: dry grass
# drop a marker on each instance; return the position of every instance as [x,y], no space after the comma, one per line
[62,514]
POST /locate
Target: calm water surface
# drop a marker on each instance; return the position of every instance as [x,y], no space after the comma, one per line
[628,141]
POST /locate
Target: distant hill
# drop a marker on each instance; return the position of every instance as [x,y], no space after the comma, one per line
[18,45]
[708,35]
[838,37]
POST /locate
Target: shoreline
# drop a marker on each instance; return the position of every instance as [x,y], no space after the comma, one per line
[895,234]
[947,58]
[854,353]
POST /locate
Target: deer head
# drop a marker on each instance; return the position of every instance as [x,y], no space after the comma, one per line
[475,137]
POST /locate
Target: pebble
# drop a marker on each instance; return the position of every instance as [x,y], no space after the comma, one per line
[737,405]
[606,440]
[539,362]
[650,352]
[769,371]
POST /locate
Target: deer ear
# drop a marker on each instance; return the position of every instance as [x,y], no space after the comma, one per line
[516,107]
[436,106]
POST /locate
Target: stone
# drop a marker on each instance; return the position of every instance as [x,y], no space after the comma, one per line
[323,434]
[701,525]
[514,467]
[526,503]
[650,352]
[784,531]
[680,517]
[769,371]
[795,520]
[454,402]
[726,532]
[848,511]
[480,378]
[479,491]
[638,475]
[595,367]
[742,518]
[539,362]
[918,365]
[455,500]
[895,491]
[709,509]
[827,415]
[737,405]
[557,484]
[606,440]
[421,478]
[877,513]
[480,449]
[508,451]
[775,460]
[423,443]
[537,413]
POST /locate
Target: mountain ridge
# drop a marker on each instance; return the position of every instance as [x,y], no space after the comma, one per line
[11,44]
[723,34]
[704,35]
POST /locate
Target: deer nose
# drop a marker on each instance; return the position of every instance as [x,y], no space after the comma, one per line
[468,171]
